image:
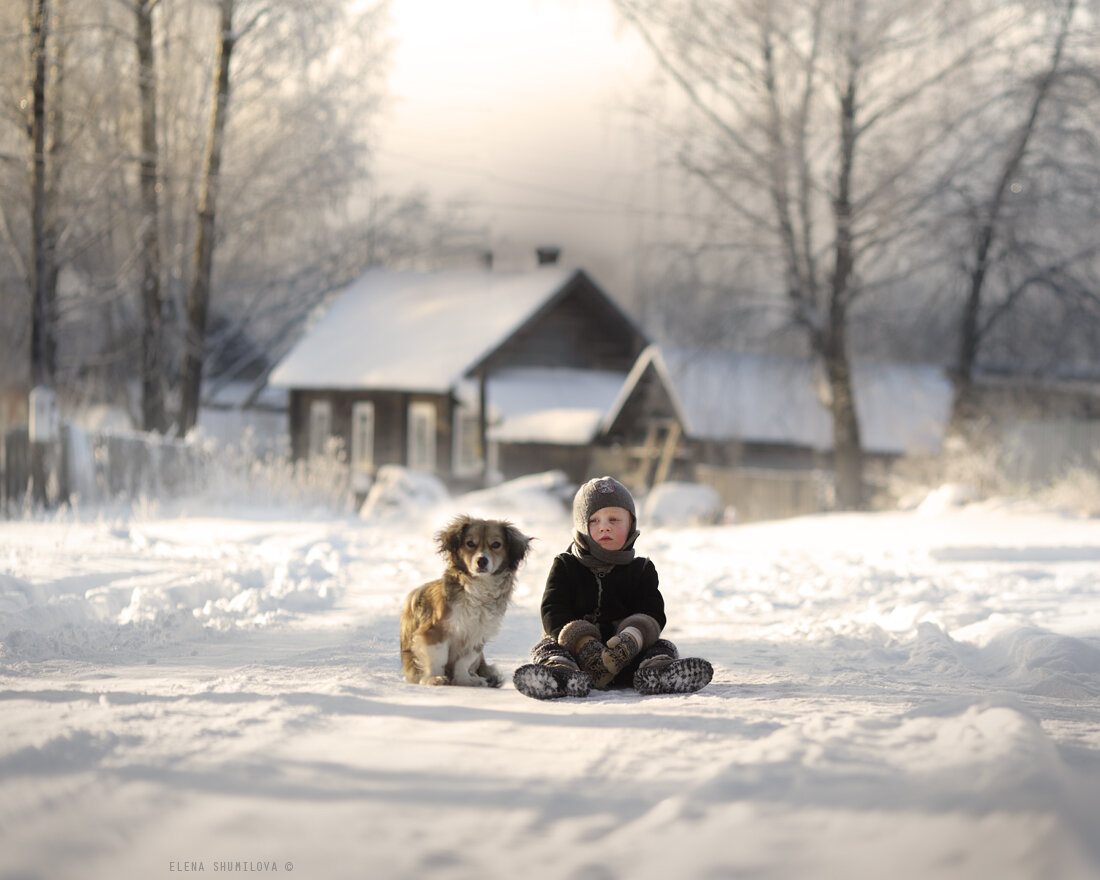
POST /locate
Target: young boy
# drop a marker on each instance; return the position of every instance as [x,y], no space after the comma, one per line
[602,611]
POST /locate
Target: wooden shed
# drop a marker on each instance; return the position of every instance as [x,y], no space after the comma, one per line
[469,375]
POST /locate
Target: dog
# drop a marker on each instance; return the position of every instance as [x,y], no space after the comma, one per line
[445,623]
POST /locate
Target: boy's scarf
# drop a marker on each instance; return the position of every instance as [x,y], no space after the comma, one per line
[601,561]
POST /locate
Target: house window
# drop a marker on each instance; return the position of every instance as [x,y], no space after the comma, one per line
[320,426]
[362,437]
[467,451]
[422,436]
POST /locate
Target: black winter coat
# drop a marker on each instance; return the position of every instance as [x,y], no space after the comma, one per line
[573,592]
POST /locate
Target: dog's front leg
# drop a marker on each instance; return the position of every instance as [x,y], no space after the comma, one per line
[468,670]
[433,662]
[490,673]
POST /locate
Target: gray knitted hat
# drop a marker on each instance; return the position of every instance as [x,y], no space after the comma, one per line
[598,494]
[592,496]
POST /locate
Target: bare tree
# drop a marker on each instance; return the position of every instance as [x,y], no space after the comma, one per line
[198,299]
[153,343]
[813,125]
[122,179]
[989,222]
[43,274]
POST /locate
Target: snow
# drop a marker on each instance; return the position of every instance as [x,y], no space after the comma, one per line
[195,685]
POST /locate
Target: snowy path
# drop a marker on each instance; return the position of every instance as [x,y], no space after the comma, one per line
[896,695]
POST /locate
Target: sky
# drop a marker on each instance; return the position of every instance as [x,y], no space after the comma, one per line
[522,108]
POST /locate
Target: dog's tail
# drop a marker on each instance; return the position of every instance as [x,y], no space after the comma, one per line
[409,666]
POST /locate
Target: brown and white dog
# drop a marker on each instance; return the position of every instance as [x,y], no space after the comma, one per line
[445,623]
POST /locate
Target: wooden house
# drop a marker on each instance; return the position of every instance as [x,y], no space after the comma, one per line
[753,410]
[760,432]
[469,375]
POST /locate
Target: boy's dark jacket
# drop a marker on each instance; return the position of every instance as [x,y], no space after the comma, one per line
[572,593]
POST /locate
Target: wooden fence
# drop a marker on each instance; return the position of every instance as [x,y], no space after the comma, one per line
[758,493]
[1036,453]
[95,467]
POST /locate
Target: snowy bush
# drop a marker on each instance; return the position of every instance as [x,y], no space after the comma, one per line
[400,492]
[682,504]
[242,474]
[537,498]
[1077,492]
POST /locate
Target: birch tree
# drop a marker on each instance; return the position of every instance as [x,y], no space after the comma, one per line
[198,300]
[43,275]
[813,125]
[153,343]
[990,214]
[120,173]
[292,156]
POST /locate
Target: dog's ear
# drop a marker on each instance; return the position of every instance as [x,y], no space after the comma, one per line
[450,537]
[518,545]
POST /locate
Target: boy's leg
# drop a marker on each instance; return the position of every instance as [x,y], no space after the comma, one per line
[661,671]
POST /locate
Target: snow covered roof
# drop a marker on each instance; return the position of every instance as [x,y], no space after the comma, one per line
[408,331]
[764,399]
[651,358]
[550,405]
[238,395]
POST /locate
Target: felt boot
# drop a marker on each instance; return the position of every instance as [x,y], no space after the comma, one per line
[550,682]
[666,675]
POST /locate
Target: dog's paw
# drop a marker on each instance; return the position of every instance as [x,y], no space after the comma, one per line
[437,680]
[493,678]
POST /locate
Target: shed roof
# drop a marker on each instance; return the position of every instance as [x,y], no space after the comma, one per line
[551,405]
[902,408]
[407,331]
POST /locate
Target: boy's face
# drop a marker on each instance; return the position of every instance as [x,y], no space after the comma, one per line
[610,527]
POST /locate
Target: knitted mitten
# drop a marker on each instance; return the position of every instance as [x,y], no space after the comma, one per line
[581,639]
[550,682]
[665,675]
[590,659]
[620,650]
[634,634]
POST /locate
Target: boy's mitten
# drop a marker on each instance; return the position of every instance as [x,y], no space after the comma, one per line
[620,650]
[636,632]
[582,639]
[590,659]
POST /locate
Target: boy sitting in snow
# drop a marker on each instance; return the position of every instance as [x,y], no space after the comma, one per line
[602,611]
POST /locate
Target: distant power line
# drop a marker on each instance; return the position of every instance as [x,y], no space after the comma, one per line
[581,203]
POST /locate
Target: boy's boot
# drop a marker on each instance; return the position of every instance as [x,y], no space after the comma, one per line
[668,675]
[553,674]
[551,682]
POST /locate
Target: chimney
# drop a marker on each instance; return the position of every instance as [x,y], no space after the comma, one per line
[548,255]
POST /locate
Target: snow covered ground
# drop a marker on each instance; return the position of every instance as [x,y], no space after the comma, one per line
[197,687]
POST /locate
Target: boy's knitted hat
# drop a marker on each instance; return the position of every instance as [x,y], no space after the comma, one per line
[592,496]
[597,494]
